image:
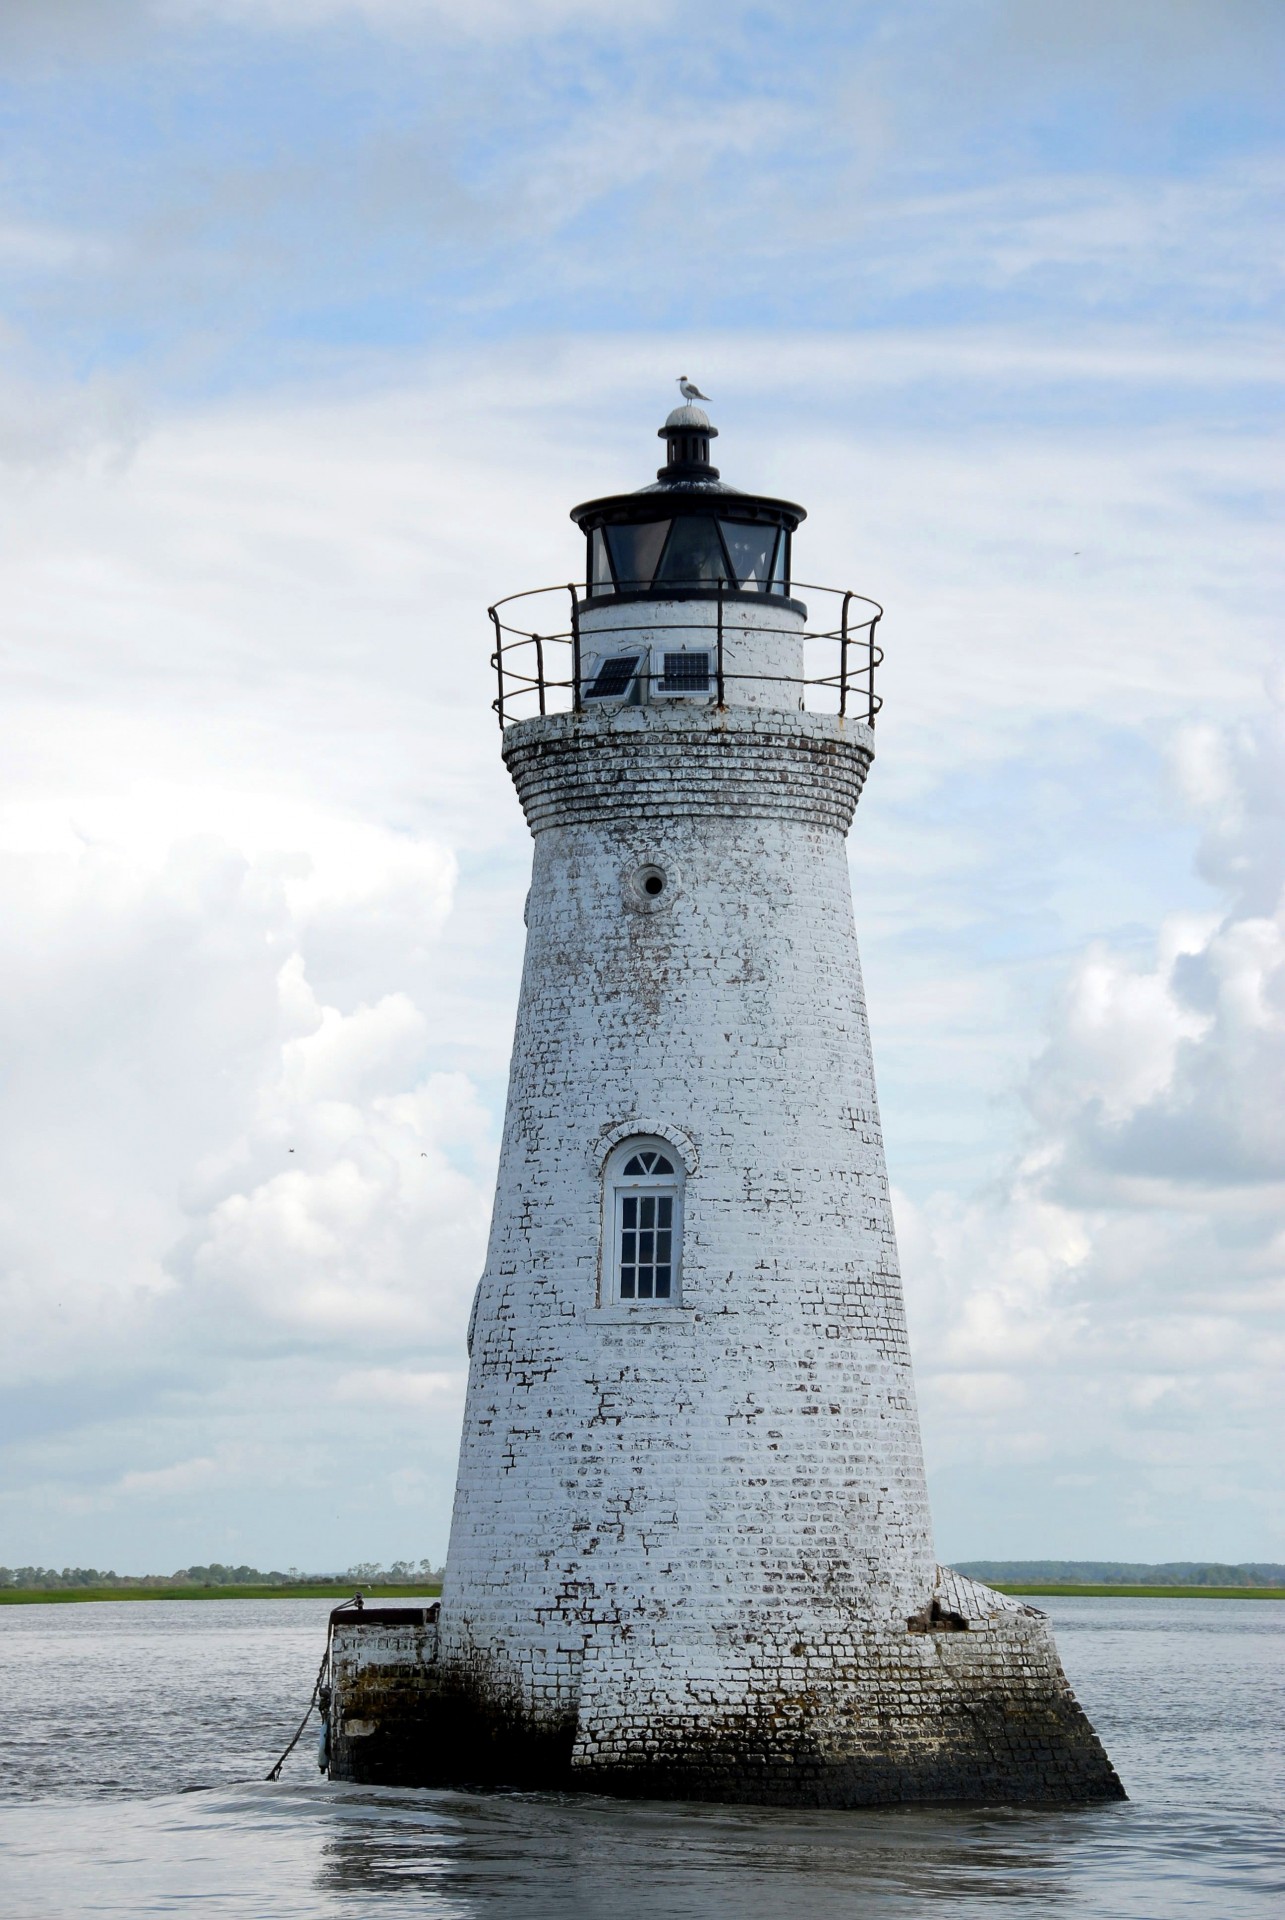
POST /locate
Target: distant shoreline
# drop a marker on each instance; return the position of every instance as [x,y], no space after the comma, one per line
[1085,1590]
[63,1596]
[66,1596]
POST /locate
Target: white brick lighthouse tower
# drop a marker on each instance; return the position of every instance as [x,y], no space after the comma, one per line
[691,1551]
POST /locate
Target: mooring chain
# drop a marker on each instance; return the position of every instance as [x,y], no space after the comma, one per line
[320,1686]
[317,1691]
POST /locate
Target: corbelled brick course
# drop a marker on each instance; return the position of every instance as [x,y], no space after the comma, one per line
[671,764]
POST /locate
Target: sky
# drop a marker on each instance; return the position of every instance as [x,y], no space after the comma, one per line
[316,317]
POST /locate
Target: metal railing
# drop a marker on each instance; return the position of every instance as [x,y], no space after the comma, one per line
[530,679]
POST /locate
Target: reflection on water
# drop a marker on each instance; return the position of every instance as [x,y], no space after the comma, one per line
[135,1736]
[599,1858]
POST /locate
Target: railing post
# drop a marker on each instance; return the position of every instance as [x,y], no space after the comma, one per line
[539,668]
[722,703]
[576,705]
[843,657]
[870,667]
[499,663]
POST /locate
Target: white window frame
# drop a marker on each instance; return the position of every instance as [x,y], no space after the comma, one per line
[619,1187]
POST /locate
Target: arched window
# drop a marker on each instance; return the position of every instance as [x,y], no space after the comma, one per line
[644,1222]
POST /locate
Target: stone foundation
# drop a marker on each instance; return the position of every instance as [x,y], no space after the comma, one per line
[965,1703]
[382,1715]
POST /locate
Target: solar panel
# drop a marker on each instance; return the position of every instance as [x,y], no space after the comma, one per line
[612,678]
[685,673]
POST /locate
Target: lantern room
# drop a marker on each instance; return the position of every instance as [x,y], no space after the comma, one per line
[687,534]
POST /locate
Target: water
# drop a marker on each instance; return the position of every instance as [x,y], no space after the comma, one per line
[134,1738]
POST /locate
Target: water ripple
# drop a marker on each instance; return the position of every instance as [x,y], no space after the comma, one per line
[136,1736]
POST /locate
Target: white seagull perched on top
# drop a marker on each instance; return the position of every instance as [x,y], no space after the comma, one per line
[689,389]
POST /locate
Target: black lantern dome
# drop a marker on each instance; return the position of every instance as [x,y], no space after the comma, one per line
[689,533]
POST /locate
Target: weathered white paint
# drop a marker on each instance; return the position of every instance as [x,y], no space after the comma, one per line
[763,649]
[758,1444]
[707,1522]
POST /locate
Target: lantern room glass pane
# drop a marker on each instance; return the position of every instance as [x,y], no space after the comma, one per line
[600,580]
[635,551]
[751,550]
[781,571]
[694,554]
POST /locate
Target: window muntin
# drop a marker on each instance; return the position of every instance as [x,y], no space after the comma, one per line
[689,550]
[781,570]
[644,1222]
[693,555]
[646,1162]
[635,551]
[751,550]
[600,580]
[646,1246]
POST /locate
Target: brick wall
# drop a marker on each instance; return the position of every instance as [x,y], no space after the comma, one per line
[691,1549]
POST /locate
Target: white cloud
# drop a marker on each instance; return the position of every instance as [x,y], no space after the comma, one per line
[172,1059]
[1121,1028]
[1174,1073]
[210,1170]
[346,1055]
[371,1236]
[185,1476]
[481,18]
[396,1387]
[85,28]
[263,886]
[1131,1269]
[260,870]
[1168,36]
[41,249]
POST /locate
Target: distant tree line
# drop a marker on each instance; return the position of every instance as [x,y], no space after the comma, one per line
[367,1573]
[1126,1573]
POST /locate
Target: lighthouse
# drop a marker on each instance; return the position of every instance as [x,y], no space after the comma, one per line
[691,1552]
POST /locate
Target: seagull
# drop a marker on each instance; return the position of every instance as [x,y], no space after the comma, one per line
[689,389]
